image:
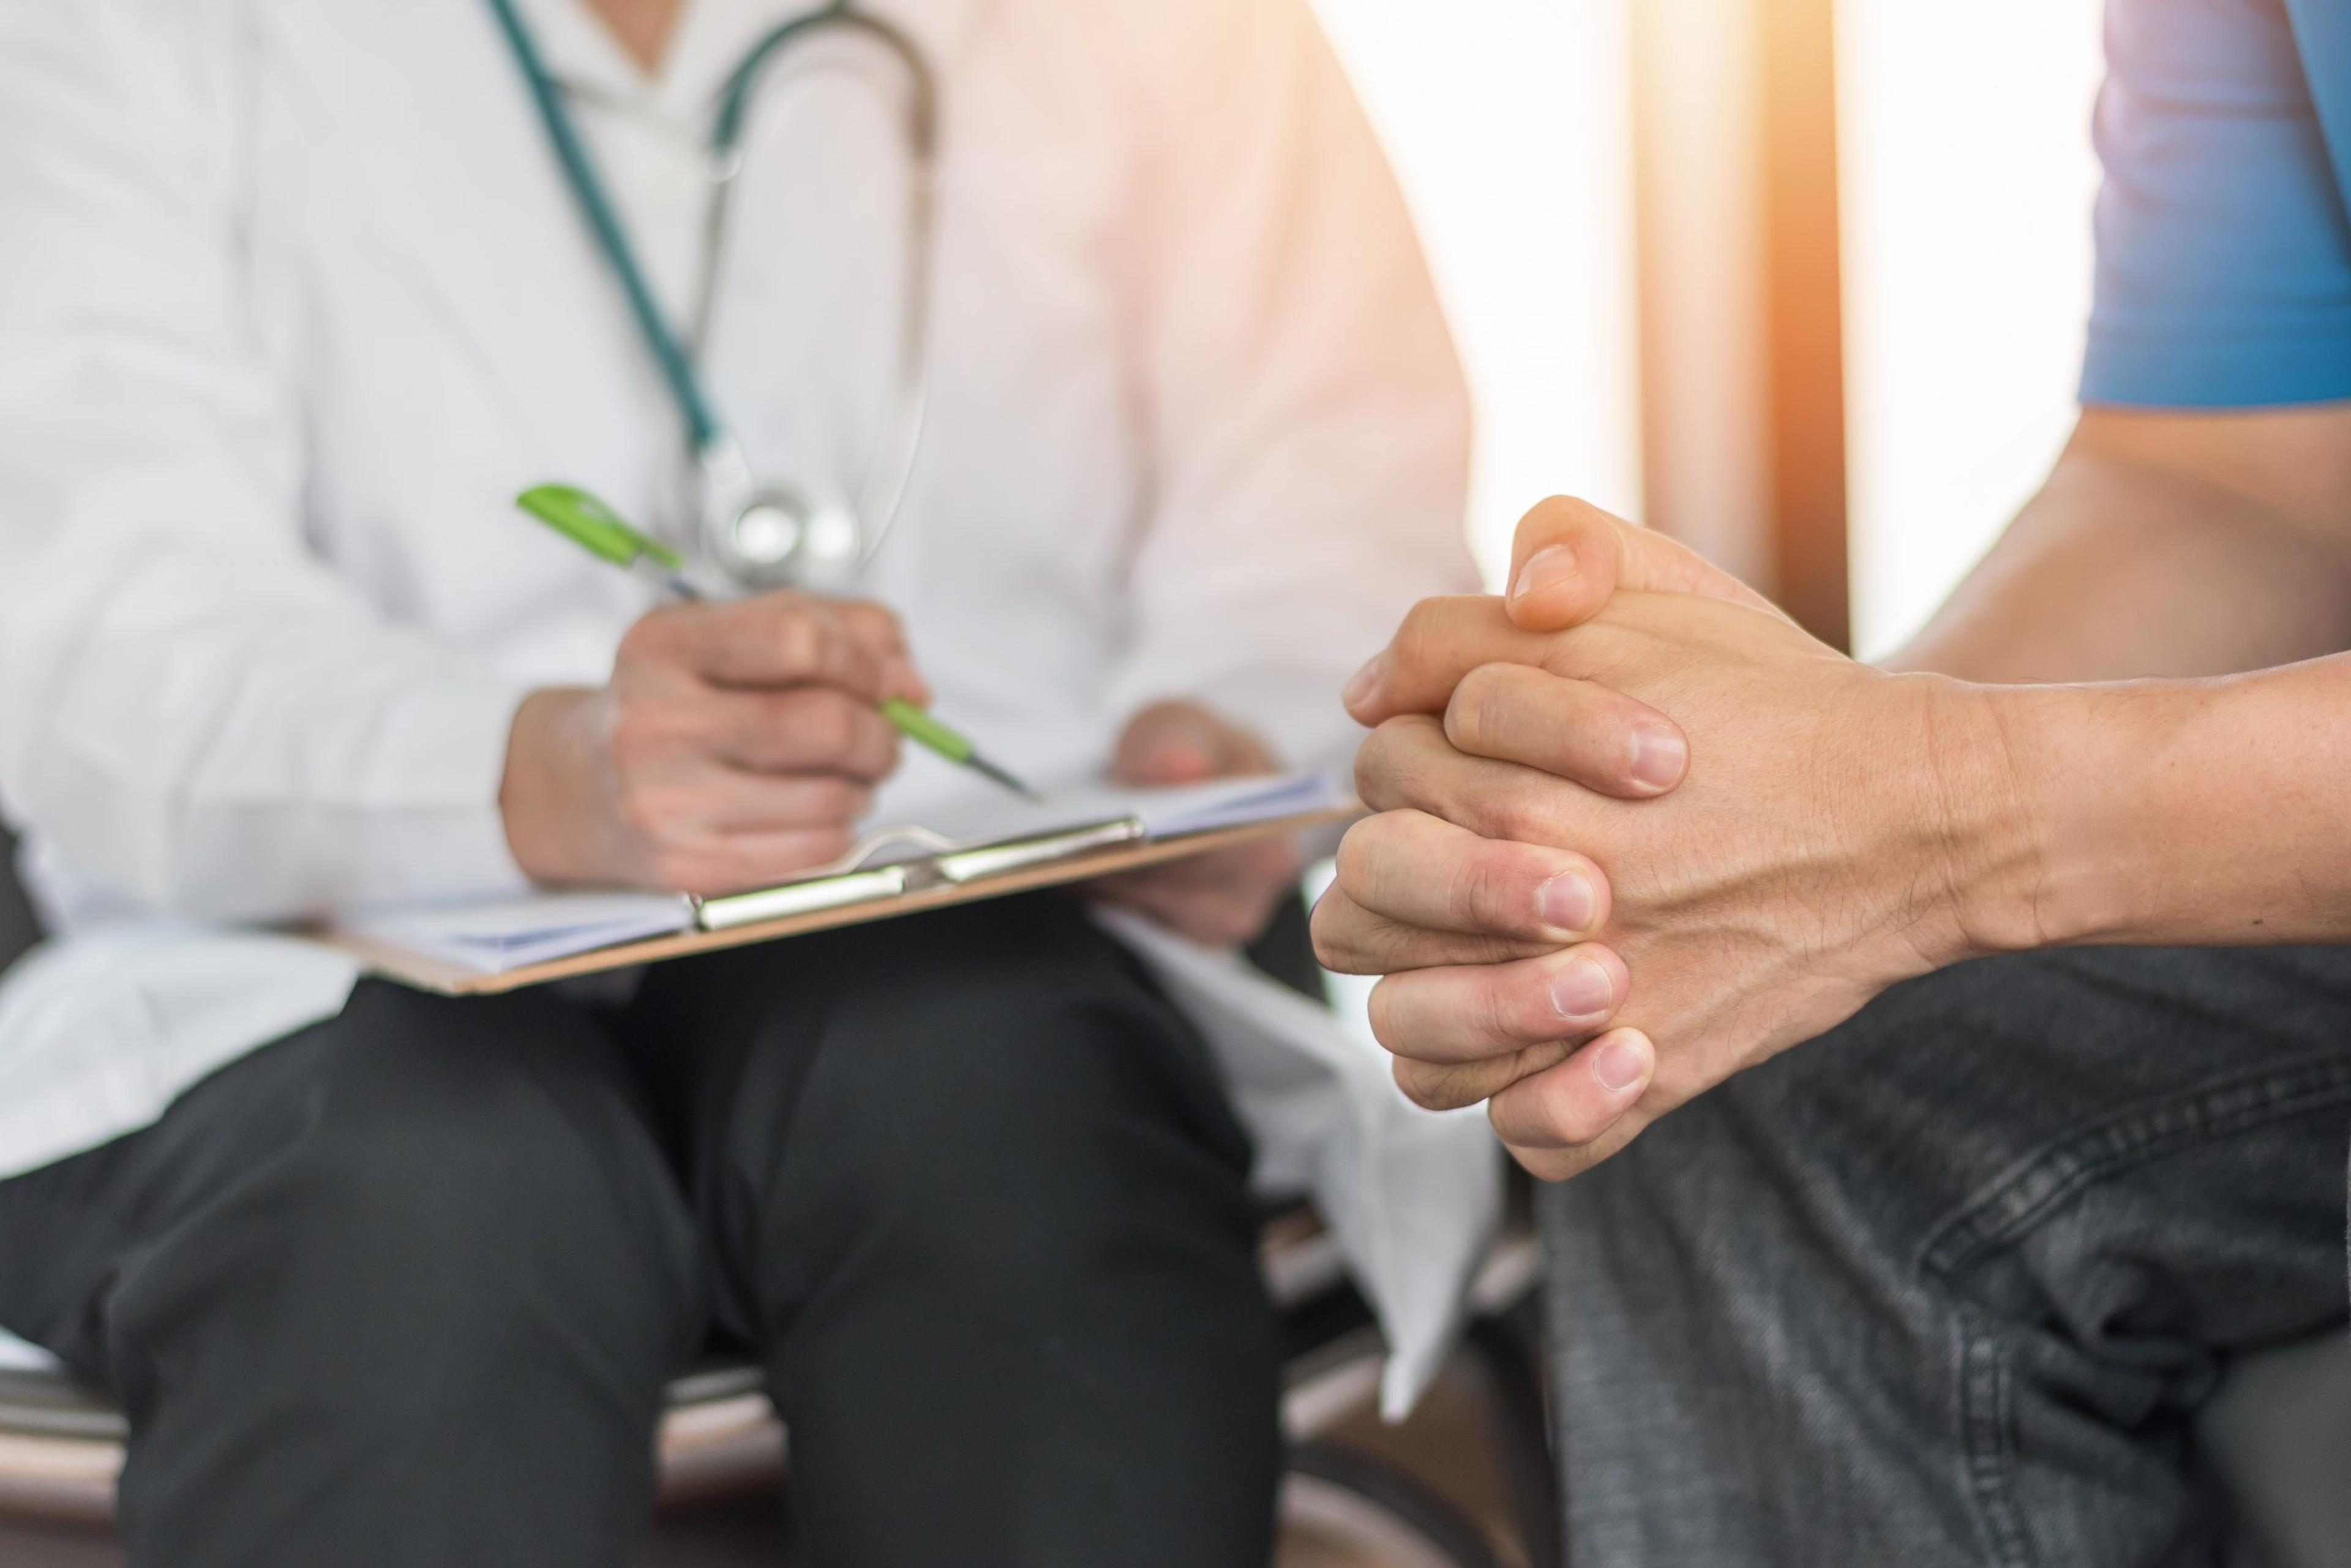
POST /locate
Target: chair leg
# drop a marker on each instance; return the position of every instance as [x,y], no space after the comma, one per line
[1377,1512]
[1507,1347]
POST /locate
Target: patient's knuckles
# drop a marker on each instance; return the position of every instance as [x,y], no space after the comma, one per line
[1450,1086]
[1420,1014]
[1564,1109]
[1351,940]
[1526,811]
[1437,1086]
[1497,886]
[1392,759]
[1556,519]
[1556,1164]
[1438,639]
[1420,640]
[1514,1003]
[1339,926]
[1360,858]
[1380,861]
[1484,719]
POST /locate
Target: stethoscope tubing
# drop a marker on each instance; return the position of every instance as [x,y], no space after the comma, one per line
[878,500]
[588,188]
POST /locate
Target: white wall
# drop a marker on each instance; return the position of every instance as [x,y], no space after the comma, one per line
[1508,121]
[1968,179]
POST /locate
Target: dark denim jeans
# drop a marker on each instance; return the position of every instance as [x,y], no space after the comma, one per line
[1946,1285]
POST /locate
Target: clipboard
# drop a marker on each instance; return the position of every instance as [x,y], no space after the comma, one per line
[927,879]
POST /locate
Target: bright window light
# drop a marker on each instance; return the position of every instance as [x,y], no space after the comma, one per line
[1509,124]
[1966,184]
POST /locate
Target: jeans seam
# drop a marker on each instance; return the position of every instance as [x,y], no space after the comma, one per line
[1986,1426]
[2044,1181]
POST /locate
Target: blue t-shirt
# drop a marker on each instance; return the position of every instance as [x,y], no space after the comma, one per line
[2224,236]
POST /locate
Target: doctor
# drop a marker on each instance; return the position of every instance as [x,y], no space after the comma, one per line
[294,297]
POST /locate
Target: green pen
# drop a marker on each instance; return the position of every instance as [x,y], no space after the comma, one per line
[588,522]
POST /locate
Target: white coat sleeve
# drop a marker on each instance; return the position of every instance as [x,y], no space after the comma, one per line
[1309,424]
[195,715]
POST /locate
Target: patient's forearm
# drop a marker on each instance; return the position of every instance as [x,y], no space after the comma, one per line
[2192,813]
[2159,548]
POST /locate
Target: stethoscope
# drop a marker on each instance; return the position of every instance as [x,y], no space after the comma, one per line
[766,532]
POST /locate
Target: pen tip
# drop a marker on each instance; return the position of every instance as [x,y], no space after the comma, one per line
[1008,781]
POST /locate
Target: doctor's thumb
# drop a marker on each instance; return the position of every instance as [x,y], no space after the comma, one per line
[1172,743]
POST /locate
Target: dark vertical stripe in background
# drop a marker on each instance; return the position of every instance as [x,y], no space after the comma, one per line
[1805,337]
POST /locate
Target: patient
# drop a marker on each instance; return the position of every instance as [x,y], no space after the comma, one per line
[293,301]
[1876,1254]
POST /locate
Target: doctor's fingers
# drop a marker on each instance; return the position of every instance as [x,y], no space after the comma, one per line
[774,640]
[879,628]
[693,803]
[803,729]
[1409,765]
[714,863]
[1413,890]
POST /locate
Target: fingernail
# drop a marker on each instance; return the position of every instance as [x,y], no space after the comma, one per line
[1363,681]
[1566,903]
[1547,568]
[1660,758]
[1620,1063]
[1582,990]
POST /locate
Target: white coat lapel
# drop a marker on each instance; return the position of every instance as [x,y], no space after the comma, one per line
[446,143]
[426,99]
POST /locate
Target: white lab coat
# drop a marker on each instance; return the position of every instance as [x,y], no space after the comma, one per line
[292,302]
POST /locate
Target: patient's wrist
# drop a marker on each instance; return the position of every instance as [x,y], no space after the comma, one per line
[1985,840]
[2083,845]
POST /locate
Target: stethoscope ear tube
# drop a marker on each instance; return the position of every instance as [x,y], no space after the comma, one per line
[767,534]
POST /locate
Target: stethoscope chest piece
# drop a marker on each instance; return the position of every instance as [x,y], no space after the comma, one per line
[777,533]
[783,538]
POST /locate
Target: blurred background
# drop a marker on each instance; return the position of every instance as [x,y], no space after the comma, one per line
[1798,281]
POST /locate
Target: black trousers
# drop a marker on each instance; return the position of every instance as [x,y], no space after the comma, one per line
[403,1289]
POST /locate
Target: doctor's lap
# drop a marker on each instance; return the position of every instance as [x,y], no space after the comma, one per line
[389,1279]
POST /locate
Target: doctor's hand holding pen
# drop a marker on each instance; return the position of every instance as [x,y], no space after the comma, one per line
[735,745]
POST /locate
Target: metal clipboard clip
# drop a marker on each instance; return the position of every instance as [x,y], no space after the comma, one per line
[938,862]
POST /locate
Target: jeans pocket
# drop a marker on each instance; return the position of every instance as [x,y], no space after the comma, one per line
[2097,1277]
[2026,1195]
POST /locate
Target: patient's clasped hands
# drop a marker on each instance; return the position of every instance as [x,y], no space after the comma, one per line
[1588,912]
